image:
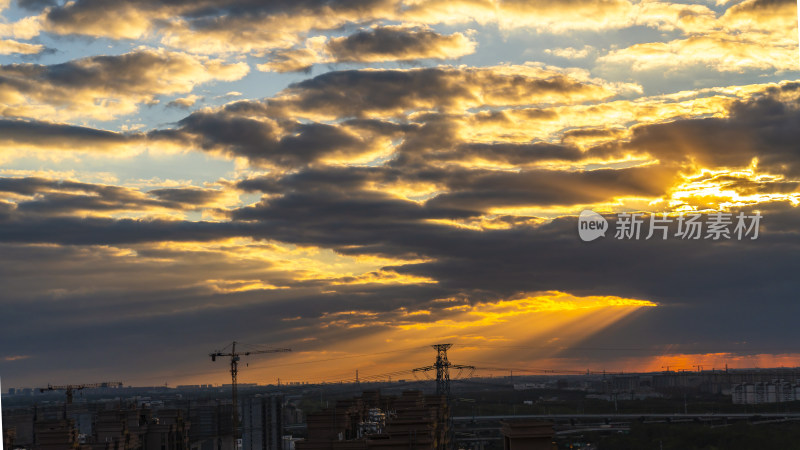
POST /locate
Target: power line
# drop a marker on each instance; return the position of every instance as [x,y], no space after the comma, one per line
[346,357]
[671,349]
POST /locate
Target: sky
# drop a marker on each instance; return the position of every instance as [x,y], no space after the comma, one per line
[360,179]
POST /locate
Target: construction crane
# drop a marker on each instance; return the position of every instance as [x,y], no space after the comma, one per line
[71,388]
[235,357]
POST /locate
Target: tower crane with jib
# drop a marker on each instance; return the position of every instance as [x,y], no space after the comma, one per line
[71,388]
[235,357]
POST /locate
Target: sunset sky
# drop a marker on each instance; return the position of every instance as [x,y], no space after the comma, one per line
[359,179]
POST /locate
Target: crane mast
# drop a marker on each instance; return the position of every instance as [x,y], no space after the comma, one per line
[235,358]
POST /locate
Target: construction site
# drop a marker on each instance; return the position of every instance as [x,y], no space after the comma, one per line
[442,406]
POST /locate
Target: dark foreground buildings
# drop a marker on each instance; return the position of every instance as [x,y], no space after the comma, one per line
[409,421]
[127,427]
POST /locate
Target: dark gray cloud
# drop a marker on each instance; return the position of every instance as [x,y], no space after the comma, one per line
[706,289]
[359,93]
[122,299]
[193,9]
[391,43]
[763,127]
[329,179]
[120,73]
[104,86]
[36,5]
[547,188]
[54,198]
[370,108]
[212,25]
[292,144]
[700,284]
[467,192]
[356,93]
[516,154]
[186,196]
[101,231]
[377,44]
[60,136]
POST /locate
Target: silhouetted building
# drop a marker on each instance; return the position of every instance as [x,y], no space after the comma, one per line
[776,391]
[118,429]
[262,423]
[211,425]
[527,435]
[411,421]
[167,432]
[55,435]
[22,423]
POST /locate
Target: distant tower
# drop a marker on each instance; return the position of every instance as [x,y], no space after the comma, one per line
[442,367]
[442,370]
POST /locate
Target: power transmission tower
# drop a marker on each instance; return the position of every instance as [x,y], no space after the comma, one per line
[442,367]
[442,370]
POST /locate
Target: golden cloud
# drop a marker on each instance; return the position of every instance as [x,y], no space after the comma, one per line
[752,35]
[9,46]
[104,87]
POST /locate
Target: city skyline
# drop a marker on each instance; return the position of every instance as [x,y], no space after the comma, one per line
[370,177]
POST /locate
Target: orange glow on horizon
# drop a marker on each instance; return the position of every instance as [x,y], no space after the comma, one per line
[484,333]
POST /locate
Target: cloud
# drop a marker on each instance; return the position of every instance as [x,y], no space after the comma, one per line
[553,17]
[187,196]
[762,15]
[493,191]
[398,43]
[123,19]
[213,26]
[342,117]
[179,296]
[570,52]
[512,154]
[488,283]
[25,28]
[359,93]
[377,44]
[751,35]
[284,143]
[294,60]
[224,26]
[253,27]
[496,276]
[31,197]
[383,208]
[375,218]
[8,46]
[185,102]
[761,127]
[569,124]
[19,135]
[58,141]
[36,5]
[723,52]
[103,87]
